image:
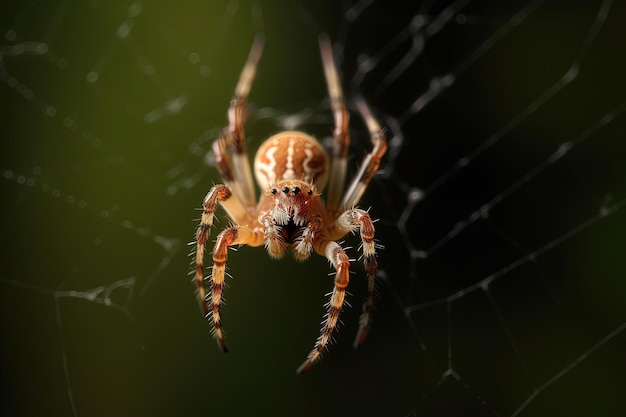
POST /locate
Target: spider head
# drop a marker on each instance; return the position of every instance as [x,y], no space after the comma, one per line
[292,201]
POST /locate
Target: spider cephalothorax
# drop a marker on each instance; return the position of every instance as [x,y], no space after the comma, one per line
[293,213]
[292,169]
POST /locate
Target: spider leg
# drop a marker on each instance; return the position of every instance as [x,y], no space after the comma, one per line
[351,220]
[235,136]
[223,163]
[371,162]
[233,207]
[337,256]
[341,133]
[234,235]
[236,211]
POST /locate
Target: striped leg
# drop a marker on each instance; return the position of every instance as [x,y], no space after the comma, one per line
[341,133]
[348,221]
[234,235]
[371,162]
[340,261]
[235,134]
[217,194]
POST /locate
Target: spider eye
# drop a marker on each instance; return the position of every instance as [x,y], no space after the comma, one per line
[274,190]
[310,192]
[296,190]
[285,190]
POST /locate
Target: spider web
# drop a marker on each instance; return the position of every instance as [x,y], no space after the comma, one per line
[500,206]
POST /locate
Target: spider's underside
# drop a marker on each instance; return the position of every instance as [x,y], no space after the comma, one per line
[291,169]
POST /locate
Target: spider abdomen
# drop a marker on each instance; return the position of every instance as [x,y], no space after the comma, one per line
[291,155]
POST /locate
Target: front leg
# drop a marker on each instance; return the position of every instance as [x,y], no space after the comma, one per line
[217,194]
[234,235]
[349,221]
[338,257]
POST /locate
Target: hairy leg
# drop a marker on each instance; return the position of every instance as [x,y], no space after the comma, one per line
[337,256]
[234,235]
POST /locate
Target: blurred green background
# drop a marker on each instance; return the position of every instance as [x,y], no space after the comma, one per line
[108,110]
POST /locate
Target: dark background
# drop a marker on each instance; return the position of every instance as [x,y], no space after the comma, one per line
[501,289]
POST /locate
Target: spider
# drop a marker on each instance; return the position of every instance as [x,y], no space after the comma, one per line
[292,170]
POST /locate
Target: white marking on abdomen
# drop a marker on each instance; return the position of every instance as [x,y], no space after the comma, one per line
[269,169]
[289,174]
[309,171]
